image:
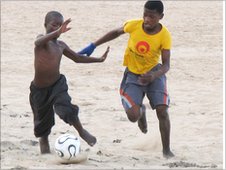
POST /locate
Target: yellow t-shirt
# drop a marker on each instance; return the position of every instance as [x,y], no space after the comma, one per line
[143,50]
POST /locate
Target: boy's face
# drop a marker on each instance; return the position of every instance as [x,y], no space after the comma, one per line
[151,18]
[53,24]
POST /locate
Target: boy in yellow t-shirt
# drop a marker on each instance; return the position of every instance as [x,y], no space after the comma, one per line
[144,75]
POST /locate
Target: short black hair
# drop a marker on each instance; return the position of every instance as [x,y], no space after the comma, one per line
[52,14]
[155,5]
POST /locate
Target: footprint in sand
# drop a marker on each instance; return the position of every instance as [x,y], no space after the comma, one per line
[105,88]
[29,142]
[7,145]
[19,168]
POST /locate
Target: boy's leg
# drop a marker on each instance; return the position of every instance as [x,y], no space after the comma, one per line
[142,122]
[132,96]
[159,100]
[43,115]
[84,134]
[164,127]
[44,144]
[69,113]
[137,113]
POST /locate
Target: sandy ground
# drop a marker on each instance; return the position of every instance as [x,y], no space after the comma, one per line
[195,84]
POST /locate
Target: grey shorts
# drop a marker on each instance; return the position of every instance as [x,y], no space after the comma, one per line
[132,93]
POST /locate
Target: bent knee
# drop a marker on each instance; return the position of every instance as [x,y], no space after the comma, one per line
[162,112]
[67,114]
[132,118]
[133,113]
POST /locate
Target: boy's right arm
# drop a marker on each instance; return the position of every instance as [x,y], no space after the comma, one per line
[43,39]
[107,37]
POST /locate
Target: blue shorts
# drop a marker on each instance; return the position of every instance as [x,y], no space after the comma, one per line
[132,93]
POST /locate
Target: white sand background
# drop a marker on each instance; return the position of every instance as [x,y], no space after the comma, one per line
[195,84]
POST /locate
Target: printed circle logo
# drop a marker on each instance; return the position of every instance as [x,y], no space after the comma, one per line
[142,47]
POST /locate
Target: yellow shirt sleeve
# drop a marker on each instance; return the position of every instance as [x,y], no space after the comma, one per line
[130,25]
[167,40]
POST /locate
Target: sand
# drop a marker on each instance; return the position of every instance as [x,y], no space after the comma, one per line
[195,84]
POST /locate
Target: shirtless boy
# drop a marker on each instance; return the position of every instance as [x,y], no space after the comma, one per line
[49,90]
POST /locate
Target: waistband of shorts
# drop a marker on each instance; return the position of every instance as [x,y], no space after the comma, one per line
[42,88]
[156,67]
[128,71]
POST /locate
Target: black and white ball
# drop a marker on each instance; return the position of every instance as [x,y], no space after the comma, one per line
[67,146]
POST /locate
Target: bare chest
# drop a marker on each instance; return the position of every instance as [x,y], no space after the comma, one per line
[51,53]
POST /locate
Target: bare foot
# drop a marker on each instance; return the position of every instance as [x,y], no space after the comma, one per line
[90,139]
[168,154]
[142,122]
[44,145]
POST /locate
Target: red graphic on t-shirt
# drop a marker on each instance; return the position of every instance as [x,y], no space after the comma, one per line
[142,47]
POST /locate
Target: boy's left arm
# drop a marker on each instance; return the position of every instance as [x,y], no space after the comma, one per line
[152,75]
[165,63]
[78,58]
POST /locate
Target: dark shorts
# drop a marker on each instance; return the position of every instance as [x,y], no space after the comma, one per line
[132,93]
[47,101]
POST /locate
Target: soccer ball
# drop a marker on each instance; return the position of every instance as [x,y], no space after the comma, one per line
[67,146]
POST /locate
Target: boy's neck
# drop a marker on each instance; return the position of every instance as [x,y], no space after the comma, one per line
[154,30]
[54,40]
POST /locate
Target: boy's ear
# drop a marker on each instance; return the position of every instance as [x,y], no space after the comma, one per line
[162,15]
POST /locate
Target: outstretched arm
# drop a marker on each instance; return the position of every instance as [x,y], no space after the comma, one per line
[107,37]
[78,58]
[43,39]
